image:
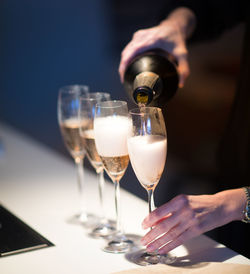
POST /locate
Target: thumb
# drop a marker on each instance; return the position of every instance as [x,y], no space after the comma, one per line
[183,70]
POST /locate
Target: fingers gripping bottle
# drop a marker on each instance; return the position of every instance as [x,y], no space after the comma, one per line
[151,78]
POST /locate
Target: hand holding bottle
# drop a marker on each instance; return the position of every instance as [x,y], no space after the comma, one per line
[170,35]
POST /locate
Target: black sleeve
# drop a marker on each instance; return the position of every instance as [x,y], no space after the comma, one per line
[214,16]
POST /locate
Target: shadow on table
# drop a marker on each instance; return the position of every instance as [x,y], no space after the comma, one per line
[200,259]
[200,253]
[197,255]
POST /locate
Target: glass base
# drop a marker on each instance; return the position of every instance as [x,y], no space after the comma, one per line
[85,219]
[144,258]
[118,244]
[103,230]
[136,239]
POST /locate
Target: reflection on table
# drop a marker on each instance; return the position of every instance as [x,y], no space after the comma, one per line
[38,186]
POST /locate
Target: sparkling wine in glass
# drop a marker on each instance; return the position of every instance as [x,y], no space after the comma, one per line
[104,227]
[111,127]
[147,146]
[70,124]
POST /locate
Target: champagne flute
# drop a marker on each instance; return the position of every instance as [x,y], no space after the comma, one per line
[111,126]
[87,112]
[68,110]
[147,146]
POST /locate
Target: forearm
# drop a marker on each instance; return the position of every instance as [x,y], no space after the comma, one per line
[185,20]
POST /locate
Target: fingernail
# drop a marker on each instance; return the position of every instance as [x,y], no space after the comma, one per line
[143,241]
[150,248]
[143,226]
[161,252]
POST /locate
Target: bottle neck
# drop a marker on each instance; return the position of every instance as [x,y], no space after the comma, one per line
[147,86]
[143,95]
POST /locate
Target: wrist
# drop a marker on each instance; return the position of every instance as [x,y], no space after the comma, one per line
[246,211]
[233,202]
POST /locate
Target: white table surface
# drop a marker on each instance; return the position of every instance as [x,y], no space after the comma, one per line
[39,186]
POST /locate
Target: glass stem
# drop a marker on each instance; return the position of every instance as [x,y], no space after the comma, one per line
[80,179]
[118,207]
[151,205]
[101,191]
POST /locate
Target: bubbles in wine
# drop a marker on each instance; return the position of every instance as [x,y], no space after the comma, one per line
[90,146]
[70,129]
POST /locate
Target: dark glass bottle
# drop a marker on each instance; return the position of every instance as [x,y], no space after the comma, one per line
[151,77]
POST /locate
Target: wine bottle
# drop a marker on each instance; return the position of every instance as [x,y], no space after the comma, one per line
[151,77]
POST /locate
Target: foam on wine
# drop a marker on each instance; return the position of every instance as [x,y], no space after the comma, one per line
[111,135]
[148,156]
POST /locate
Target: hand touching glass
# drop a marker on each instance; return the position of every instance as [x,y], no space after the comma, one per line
[187,216]
[147,146]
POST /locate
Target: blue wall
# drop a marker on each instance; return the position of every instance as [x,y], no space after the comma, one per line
[45,45]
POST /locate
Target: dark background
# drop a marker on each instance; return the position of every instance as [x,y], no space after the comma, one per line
[48,44]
